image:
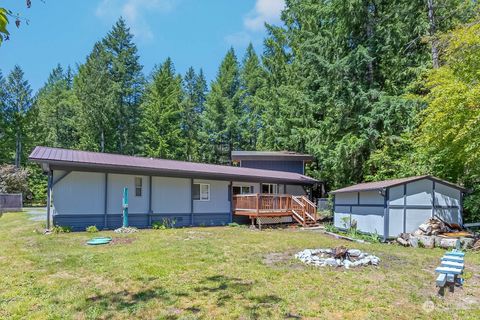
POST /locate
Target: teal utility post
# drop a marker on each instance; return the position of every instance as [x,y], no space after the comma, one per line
[125,207]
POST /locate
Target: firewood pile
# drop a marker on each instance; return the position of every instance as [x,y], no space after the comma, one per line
[436,233]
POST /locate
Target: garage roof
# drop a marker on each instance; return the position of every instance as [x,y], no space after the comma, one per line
[66,159]
[379,185]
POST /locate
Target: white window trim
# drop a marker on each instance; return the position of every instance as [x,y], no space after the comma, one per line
[200,191]
[135,186]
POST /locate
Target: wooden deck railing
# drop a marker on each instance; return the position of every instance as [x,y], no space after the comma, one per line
[274,205]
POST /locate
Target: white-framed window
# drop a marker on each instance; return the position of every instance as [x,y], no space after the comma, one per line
[270,188]
[201,191]
[138,186]
[242,189]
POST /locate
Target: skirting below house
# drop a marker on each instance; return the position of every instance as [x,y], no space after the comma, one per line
[78,222]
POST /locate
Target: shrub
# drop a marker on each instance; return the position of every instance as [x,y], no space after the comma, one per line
[157,225]
[61,229]
[233,225]
[165,224]
[91,229]
[331,228]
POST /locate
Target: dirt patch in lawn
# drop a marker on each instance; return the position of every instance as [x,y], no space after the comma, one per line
[283,259]
[197,235]
[122,240]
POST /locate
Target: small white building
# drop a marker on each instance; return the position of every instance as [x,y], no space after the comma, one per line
[391,207]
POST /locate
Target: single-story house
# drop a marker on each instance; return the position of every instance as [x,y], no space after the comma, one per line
[391,207]
[85,189]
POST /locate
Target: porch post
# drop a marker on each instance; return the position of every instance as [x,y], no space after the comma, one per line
[49,197]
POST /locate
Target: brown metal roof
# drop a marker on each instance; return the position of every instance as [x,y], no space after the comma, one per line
[379,185]
[270,155]
[66,159]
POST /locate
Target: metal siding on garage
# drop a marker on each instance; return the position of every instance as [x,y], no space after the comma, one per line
[446,196]
[395,226]
[449,215]
[415,217]
[420,192]
[341,212]
[369,219]
[79,222]
[346,198]
[171,195]
[371,197]
[116,183]
[396,195]
[177,219]
[79,193]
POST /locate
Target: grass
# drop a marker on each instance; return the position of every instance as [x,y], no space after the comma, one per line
[219,272]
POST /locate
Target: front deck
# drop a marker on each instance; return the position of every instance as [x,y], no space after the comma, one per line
[257,206]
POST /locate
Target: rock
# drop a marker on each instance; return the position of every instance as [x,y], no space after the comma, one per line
[403,242]
[330,262]
[467,243]
[476,245]
[413,242]
[354,252]
[426,228]
[427,241]
[448,243]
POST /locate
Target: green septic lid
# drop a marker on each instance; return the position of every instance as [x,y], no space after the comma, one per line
[99,240]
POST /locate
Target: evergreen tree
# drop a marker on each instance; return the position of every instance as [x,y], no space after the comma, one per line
[18,101]
[96,118]
[222,113]
[56,111]
[194,88]
[161,121]
[126,75]
[4,128]
[252,79]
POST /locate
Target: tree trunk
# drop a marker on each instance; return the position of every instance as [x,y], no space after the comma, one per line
[102,141]
[432,31]
[18,149]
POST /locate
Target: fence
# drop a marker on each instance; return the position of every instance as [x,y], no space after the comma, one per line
[322,204]
[10,202]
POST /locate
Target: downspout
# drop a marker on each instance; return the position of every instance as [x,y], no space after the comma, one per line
[49,197]
[386,219]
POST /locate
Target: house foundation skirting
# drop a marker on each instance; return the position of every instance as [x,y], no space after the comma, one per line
[78,222]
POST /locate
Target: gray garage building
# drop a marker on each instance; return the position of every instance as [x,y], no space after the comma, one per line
[391,207]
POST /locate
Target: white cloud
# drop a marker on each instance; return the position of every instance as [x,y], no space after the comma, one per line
[265,11]
[134,11]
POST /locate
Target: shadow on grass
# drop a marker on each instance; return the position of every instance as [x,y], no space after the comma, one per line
[236,291]
[126,301]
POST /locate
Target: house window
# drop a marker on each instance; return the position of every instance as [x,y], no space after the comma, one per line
[269,188]
[242,189]
[201,191]
[138,186]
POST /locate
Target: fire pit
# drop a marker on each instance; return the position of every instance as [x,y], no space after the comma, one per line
[337,257]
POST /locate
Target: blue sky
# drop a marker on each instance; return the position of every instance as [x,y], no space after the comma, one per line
[192,32]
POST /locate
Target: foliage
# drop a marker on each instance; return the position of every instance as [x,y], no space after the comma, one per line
[449,133]
[61,229]
[222,112]
[234,225]
[91,229]
[166,223]
[3,25]
[330,227]
[13,180]
[162,119]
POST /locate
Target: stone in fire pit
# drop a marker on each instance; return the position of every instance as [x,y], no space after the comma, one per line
[337,257]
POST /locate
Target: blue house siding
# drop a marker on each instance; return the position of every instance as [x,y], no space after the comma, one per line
[284,165]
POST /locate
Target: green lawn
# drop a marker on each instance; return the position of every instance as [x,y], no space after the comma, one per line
[219,272]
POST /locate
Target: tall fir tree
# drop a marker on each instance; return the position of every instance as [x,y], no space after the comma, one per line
[161,121]
[252,82]
[56,109]
[221,132]
[96,117]
[18,101]
[4,128]
[126,74]
[194,88]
